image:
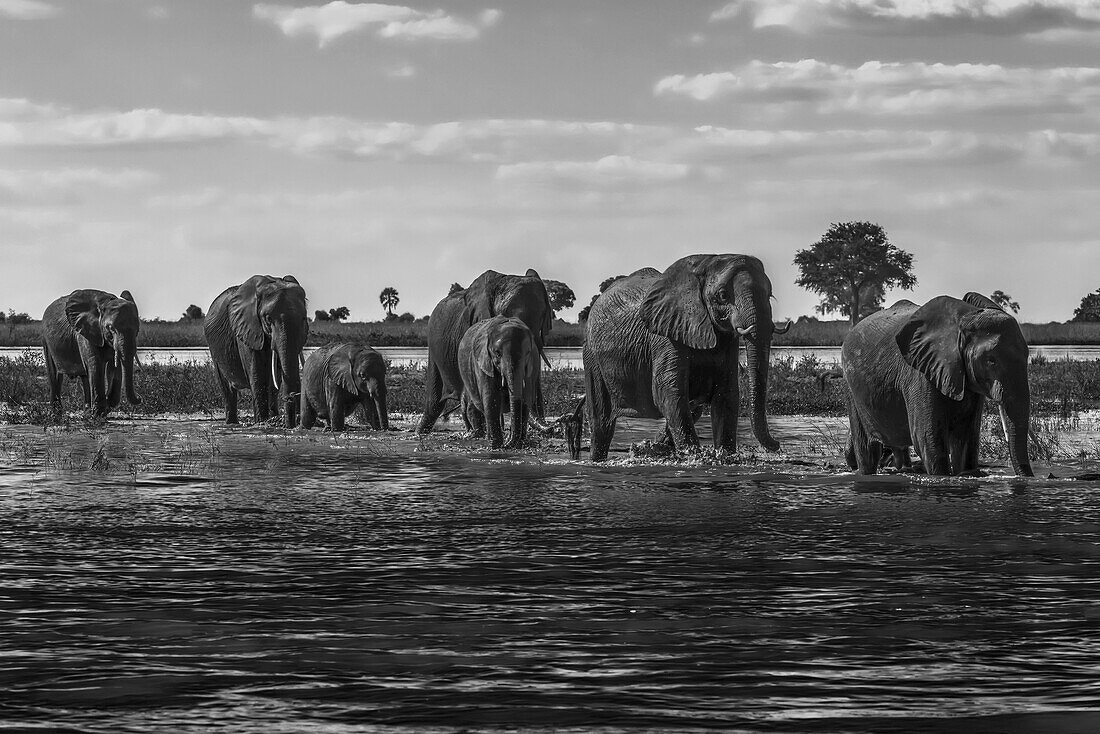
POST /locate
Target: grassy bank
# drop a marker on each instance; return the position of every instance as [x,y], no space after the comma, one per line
[1058,388]
[415,334]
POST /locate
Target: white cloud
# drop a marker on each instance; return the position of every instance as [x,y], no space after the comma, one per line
[610,171]
[899,16]
[65,186]
[27,9]
[909,88]
[332,20]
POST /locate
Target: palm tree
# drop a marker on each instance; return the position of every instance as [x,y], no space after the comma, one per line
[389,300]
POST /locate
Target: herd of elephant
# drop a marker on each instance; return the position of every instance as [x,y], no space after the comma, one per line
[657,345]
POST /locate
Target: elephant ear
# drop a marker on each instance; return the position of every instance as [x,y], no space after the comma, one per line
[82,311]
[481,296]
[483,352]
[931,343]
[341,371]
[977,299]
[674,307]
[244,311]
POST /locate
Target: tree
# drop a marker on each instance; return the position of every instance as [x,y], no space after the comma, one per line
[1089,310]
[561,295]
[339,313]
[604,284]
[15,319]
[1005,301]
[389,300]
[407,318]
[193,313]
[852,266]
[321,316]
[455,288]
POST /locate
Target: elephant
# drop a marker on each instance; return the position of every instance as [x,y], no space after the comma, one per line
[339,376]
[92,335]
[491,294]
[920,375]
[256,331]
[665,344]
[498,362]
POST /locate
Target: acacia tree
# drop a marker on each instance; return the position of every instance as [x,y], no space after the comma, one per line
[389,300]
[1005,301]
[852,266]
[1089,310]
[561,295]
[339,313]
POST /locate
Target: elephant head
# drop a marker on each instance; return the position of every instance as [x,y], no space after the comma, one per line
[106,320]
[361,372]
[272,311]
[509,349]
[974,346]
[700,297]
[520,296]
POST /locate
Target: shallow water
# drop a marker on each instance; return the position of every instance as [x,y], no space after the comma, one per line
[184,576]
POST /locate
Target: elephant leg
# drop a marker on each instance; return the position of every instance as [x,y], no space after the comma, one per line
[850,454]
[474,419]
[932,444]
[433,398]
[867,452]
[336,416]
[53,379]
[723,414]
[229,394]
[964,442]
[678,415]
[259,379]
[309,415]
[493,409]
[86,389]
[601,415]
[98,387]
[370,412]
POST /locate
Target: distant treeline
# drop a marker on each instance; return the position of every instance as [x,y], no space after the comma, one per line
[805,332]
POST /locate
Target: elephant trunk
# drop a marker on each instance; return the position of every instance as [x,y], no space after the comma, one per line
[125,357]
[758,344]
[518,388]
[379,395]
[286,363]
[1015,419]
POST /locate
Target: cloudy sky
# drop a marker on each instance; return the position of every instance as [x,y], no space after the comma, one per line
[174,148]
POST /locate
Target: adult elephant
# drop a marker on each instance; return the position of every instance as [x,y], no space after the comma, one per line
[664,344]
[256,331]
[920,375]
[92,335]
[491,294]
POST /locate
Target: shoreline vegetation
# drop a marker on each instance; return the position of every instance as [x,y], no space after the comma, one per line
[804,386]
[806,332]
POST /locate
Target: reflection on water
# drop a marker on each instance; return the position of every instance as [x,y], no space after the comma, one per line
[201,577]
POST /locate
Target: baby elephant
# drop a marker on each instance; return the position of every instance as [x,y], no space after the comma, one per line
[498,361]
[339,376]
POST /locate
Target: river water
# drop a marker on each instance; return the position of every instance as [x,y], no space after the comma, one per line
[184,576]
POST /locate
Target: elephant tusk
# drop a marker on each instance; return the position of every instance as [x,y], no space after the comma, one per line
[546,360]
[785,329]
[301,358]
[746,330]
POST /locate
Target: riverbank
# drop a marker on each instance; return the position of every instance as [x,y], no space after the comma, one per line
[803,333]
